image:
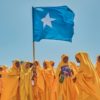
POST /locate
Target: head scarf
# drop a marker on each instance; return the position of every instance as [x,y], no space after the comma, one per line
[23,67]
[61,64]
[51,62]
[38,66]
[98,67]
[86,65]
[48,64]
[87,79]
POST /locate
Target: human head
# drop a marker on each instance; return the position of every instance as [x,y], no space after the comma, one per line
[98,58]
[77,59]
[52,63]
[27,65]
[30,64]
[16,63]
[82,57]
[65,58]
[46,64]
[36,63]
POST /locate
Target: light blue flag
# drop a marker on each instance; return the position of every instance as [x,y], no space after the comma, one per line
[55,23]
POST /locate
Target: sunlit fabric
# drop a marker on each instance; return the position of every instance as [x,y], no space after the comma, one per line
[98,68]
[87,79]
[25,82]
[39,86]
[66,90]
[10,82]
[50,82]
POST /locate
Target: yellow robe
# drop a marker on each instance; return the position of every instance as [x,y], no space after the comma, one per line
[0,84]
[38,87]
[25,83]
[10,82]
[87,79]
[98,68]
[50,82]
[0,87]
[1,72]
[54,95]
[68,89]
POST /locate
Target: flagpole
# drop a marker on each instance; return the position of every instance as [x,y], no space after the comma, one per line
[33,38]
[33,51]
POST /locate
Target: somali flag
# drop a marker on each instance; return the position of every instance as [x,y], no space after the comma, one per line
[54,23]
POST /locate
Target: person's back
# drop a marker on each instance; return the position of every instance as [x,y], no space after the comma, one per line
[10,82]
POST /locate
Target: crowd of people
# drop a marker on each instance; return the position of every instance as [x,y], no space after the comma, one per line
[68,81]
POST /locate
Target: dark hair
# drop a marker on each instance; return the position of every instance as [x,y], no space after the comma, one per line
[36,62]
[98,57]
[31,64]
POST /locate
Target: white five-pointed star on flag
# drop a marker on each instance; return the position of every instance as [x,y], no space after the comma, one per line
[47,20]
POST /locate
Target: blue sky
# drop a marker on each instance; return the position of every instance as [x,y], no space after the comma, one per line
[16,31]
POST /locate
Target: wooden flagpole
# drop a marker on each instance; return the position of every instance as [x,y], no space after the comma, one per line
[33,41]
[33,51]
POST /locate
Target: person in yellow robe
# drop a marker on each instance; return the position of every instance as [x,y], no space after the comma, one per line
[54,84]
[98,66]
[52,63]
[26,82]
[0,81]
[38,86]
[10,82]
[3,69]
[67,89]
[49,79]
[87,79]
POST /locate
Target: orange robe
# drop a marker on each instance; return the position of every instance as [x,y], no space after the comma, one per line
[3,71]
[38,87]
[68,89]
[50,82]
[25,83]
[98,68]
[87,79]
[10,82]
[0,86]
